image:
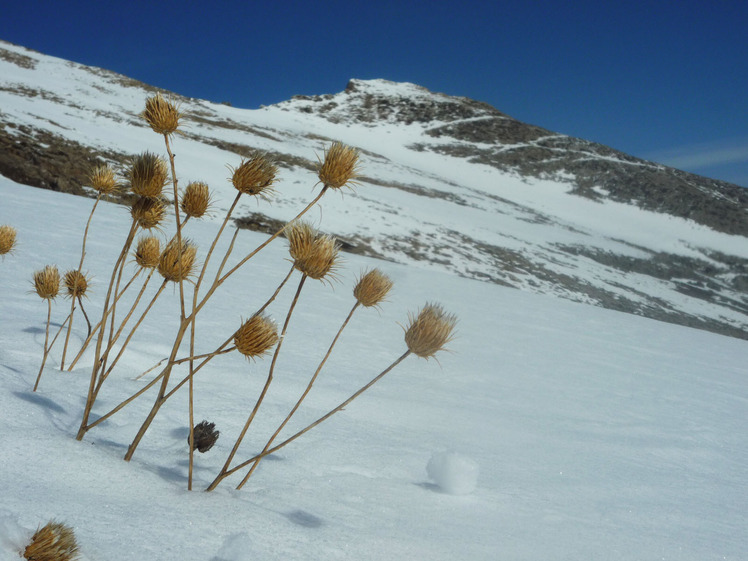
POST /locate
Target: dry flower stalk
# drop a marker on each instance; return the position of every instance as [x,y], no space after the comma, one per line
[47,282]
[254,176]
[148,252]
[7,239]
[148,175]
[52,542]
[314,254]
[162,114]
[103,179]
[76,284]
[256,336]
[340,166]
[372,288]
[429,331]
[176,262]
[195,199]
[148,213]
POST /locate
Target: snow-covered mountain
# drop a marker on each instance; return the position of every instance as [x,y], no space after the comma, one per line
[448,184]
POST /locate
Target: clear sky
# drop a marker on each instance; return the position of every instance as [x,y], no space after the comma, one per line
[659,79]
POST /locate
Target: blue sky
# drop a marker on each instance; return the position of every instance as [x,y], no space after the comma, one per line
[662,80]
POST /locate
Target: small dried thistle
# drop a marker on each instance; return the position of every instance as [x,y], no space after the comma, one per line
[254,176]
[430,330]
[162,114]
[76,284]
[176,263]
[195,199]
[256,336]
[204,436]
[52,542]
[103,179]
[47,282]
[7,239]
[148,252]
[148,213]
[340,166]
[148,174]
[314,254]
[372,288]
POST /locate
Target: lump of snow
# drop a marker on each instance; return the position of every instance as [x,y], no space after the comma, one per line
[454,473]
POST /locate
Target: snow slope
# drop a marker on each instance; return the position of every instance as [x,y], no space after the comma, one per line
[596,434]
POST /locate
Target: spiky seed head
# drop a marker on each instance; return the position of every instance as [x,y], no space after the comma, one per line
[148,174]
[47,282]
[256,336]
[340,166]
[162,114]
[430,330]
[103,179]
[148,213]
[52,542]
[76,284]
[254,176]
[7,239]
[177,262]
[372,288]
[148,252]
[204,436]
[195,199]
[314,254]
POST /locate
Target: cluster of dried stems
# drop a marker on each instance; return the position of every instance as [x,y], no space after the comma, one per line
[52,542]
[314,255]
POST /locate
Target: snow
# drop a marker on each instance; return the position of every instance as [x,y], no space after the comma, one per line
[597,434]
[453,473]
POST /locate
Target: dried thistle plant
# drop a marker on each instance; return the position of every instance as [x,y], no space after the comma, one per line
[177,261]
[148,175]
[256,336]
[52,542]
[162,114]
[204,437]
[254,176]
[340,166]
[148,252]
[7,239]
[103,179]
[372,288]
[429,331]
[195,199]
[148,213]
[47,282]
[76,284]
[315,255]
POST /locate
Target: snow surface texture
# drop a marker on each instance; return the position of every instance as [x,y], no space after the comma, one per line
[414,207]
[599,435]
[454,473]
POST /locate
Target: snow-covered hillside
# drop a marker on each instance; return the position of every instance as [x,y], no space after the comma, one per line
[426,198]
[596,434]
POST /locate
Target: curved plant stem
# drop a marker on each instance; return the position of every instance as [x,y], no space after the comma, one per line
[303,395]
[264,389]
[85,315]
[46,340]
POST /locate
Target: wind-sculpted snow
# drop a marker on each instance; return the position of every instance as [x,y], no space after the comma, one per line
[448,184]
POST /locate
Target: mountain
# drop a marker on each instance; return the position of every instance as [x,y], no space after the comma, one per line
[447,184]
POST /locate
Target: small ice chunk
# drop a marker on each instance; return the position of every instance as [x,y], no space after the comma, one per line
[454,473]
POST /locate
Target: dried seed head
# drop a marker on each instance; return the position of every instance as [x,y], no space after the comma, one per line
[148,174]
[195,199]
[372,288]
[256,336]
[204,436]
[430,330]
[103,179]
[162,114]
[340,166]
[47,282]
[148,213]
[148,252]
[7,239]
[76,284]
[176,263]
[314,254]
[53,542]
[254,176]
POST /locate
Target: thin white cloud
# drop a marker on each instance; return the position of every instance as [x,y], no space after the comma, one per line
[701,156]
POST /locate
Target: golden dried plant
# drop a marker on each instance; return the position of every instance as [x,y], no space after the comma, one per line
[162,114]
[47,282]
[148,213]
[148,175]
[148,252]
[103,179]
[314,254]
[340,166]
[177,262]
[52,542]
[195,199]
[256,336]
[430,330]
[254,176]
[372,288]
[7,239]
[76,284]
